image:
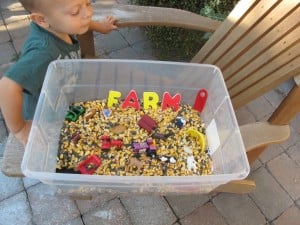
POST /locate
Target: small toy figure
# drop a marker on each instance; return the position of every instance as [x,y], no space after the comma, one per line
[107,143]
[139,147]
[191,163]
[90,114]
[75,138]
[151,150]
[187,149]
[78,109]
[165,162]
[168,159]
[180,122]
[157,135]
[148,146]
[134,162]
[118,129]
[106,113]
[147,123]
[89,165]
[74,113]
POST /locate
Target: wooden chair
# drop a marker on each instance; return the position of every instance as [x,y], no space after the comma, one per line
[257,49]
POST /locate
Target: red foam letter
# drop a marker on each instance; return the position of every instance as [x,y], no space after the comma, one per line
[131,100]
[169,101]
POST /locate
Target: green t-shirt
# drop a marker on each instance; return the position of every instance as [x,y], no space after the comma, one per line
[39,50]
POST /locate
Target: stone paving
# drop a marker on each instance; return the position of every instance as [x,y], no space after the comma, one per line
[275,201]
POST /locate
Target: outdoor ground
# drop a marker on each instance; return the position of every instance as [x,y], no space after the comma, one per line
[275,201]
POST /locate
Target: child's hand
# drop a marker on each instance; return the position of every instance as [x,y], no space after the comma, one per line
[22,135]
[105,26]
[108,24]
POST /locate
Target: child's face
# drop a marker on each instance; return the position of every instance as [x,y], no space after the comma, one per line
[69,16]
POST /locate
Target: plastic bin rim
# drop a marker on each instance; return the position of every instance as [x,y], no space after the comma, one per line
[62,61]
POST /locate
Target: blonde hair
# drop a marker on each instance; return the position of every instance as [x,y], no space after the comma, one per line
[32,5]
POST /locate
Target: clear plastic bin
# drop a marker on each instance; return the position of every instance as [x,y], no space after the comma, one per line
[69,81]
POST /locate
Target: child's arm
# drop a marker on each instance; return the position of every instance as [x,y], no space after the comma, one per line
[11,100]
[104,26]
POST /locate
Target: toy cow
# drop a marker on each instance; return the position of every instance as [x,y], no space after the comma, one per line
[134,162]
[191,163]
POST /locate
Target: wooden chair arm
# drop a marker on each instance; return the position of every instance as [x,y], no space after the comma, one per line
[256,135]
[132,15]
[237,187]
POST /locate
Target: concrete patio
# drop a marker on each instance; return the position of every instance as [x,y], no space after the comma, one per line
[276,200]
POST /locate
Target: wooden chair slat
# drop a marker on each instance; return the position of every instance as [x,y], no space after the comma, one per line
[239,11]
[255,33]
[241,29]
[282,29]
[267,71]
[278,50]
[281,75]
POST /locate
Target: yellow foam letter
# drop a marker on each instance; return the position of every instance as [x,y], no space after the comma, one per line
[113,98]
[150,99]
